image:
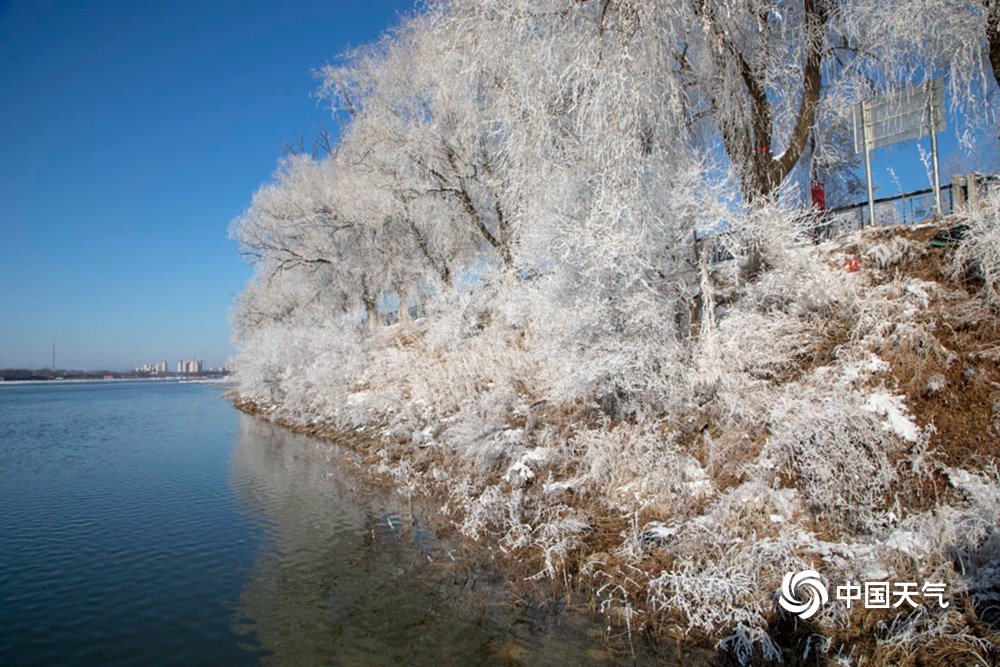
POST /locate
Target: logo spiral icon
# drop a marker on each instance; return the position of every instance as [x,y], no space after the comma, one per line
[808,579]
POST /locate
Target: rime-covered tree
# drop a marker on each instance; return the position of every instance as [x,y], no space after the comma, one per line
[764,73]
[757,69]
[417,122]
[570,143]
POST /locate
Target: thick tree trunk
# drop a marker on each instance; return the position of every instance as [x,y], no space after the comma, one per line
[440,266]
[993,35]
[748,137]
[748,140]
[370,304]
[762,173]
[500,240]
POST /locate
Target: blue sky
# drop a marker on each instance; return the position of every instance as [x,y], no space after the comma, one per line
[131,133]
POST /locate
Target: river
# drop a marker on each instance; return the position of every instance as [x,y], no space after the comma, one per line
[150,523]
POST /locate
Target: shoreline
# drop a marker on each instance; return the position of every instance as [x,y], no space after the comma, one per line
[548,598]
[841,453]
[102,380]
[525,577]
[581,580]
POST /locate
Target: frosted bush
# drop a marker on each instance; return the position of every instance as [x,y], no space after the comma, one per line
[892,252]
[979,250]
[641,466]
[829,444]
[486,512]
[719,581]
[906,640]
[761,345]
[558,533]
[709,596]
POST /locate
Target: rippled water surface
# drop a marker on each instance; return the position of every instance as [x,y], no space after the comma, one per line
[149,523]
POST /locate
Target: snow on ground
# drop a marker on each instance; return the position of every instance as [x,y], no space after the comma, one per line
[801,452]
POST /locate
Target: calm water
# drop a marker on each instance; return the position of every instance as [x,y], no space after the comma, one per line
[150,523]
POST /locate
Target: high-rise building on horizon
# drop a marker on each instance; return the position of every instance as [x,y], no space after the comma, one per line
[190,366]
[157,368]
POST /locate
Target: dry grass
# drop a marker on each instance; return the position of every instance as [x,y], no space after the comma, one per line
[950,379]
[635,519]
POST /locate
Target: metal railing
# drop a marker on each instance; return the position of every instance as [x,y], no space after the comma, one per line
[907,208]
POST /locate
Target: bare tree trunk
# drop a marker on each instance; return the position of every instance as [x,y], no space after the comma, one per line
[748,141]
[440,266]
[368,300]
[404,310]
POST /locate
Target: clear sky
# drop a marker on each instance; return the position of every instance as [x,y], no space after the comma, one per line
[131,134]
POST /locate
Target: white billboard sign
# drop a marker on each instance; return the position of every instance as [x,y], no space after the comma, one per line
[900,116]
[904,115]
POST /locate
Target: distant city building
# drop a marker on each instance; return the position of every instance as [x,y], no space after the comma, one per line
[158,367]
[190,366]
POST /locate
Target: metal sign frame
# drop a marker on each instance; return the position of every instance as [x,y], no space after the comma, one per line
[903,115]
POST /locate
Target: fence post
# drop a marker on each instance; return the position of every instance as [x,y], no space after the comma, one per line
[957,193]
[972,194]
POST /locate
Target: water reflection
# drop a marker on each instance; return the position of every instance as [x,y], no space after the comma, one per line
[348,575]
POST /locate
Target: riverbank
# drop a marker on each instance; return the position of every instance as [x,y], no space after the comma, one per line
[486,561]
[9,377]
[824,419]
[546,601]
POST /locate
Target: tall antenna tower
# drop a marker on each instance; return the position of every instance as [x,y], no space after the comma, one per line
[53,354]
